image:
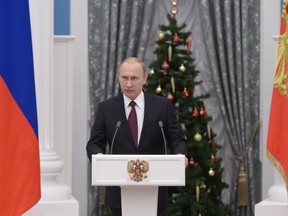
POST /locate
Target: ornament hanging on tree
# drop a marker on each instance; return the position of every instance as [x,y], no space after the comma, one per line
[213,144]
[169,53]
[165,66]
[213,159]
[185,92]
[203,185]
[209,131]
[158,89]
[170,96]
[152,71]
[195,112]
[189,42]
[192,163]
[211,172]
[161,35]
[202,112]
[172,84]
[197,193]
[182,68]
[197,137]
[175,38]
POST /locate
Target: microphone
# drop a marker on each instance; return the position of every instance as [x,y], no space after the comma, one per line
[117,127]
[161,127]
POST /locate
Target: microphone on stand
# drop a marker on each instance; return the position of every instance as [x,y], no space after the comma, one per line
[117,127]
[161,127]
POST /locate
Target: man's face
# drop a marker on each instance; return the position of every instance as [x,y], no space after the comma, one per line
[131,79]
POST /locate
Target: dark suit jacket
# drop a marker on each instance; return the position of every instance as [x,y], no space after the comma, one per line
[151,140]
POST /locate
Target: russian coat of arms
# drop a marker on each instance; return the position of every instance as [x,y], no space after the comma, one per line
[137,169]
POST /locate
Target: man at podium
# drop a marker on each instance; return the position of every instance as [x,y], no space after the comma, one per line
[135,122]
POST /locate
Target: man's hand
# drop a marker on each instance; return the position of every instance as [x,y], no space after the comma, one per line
[186,162]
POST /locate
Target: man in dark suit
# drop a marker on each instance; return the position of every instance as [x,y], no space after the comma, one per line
[147,139]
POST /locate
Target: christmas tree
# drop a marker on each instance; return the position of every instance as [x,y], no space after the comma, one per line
[172,75]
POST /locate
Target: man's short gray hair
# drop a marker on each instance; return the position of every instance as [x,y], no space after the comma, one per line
[134,59]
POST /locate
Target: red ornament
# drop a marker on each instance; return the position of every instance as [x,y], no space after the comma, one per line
[170,96]
[192,163]
[189,42]
[165,66]
[195,112]
[213,144]
[213,158]
[185,92]
[202,112]
[175,38]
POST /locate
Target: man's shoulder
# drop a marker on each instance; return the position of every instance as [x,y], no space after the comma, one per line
[111,100]
[155,97]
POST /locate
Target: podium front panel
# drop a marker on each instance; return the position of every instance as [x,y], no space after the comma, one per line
[138,170]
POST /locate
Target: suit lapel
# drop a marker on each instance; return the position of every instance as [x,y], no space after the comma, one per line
[148,115]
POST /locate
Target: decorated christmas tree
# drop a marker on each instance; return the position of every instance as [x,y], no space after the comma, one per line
[172,75]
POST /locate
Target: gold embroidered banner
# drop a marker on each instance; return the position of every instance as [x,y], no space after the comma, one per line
[277,141]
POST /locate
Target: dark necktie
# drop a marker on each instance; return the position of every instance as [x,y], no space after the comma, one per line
[132,121]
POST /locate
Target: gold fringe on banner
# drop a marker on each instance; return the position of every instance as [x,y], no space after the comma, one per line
[278,167]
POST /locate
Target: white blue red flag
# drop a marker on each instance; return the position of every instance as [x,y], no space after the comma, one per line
[19,148]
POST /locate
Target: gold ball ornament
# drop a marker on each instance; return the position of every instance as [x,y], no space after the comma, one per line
[182,68]
[197,137]
[161,35]
[158,89]
[211,172]
[152,71]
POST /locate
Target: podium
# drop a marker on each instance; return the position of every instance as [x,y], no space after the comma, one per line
[139,177]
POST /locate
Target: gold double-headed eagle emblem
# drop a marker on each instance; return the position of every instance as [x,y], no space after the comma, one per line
[281,76]
[137,169]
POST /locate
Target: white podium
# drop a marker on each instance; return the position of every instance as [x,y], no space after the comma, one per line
[139,177]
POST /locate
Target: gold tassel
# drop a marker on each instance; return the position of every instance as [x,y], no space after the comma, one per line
[242,190]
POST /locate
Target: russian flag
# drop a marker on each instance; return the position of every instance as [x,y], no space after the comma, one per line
[19,148]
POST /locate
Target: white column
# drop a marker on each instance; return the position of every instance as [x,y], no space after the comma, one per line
[56,198]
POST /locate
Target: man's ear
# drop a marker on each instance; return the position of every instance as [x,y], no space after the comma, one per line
[145,77]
